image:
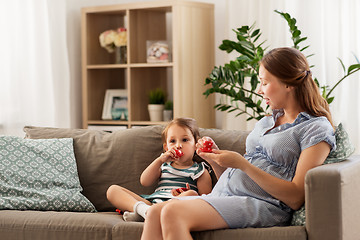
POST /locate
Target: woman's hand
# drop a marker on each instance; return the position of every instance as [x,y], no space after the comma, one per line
[206,144]
[226,159]
[208,156]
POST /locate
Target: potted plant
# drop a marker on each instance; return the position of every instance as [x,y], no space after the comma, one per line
[168,110]
[156,104]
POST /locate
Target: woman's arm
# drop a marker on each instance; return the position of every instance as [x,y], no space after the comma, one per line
[291,193]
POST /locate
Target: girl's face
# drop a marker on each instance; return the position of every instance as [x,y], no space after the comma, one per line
[181,138]
[274,92]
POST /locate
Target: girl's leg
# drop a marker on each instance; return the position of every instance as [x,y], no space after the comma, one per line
[123,198]
[176,219]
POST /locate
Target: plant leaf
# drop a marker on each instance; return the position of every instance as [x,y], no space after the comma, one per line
[255,33]
[352,67]
[342,64]
[330,100]
[296,33]
[300,40]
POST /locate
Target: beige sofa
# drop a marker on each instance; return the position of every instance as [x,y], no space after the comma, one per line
[332,191]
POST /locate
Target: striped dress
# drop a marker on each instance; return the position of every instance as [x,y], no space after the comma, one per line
[175,178]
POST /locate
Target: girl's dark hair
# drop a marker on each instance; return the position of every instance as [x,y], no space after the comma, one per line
[183,122]
[290,66]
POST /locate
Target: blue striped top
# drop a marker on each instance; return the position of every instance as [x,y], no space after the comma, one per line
[172,178]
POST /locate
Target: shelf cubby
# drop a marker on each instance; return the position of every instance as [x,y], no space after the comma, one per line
[187,27]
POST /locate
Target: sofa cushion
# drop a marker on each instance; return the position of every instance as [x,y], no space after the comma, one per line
[344,148]
[57,225]
[119,157]
[105,158]
[269,233]
[40,175]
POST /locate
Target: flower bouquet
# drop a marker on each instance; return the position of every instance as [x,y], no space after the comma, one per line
[111,39]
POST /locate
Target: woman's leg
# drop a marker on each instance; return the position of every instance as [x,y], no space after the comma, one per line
[123,198]
[176,219]
[152,227]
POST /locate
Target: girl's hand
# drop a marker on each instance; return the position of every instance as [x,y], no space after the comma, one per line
[205,144]
[171,154]
[177,191]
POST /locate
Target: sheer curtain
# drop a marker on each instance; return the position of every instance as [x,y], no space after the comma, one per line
[332,28]
[33,65]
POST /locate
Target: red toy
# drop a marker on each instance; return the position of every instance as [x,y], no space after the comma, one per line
[207,146]
[178,153]
[179,189]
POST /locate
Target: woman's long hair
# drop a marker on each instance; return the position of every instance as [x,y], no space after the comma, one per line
[290,66]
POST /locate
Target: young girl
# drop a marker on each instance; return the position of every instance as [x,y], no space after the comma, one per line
[263,187]
[178,174]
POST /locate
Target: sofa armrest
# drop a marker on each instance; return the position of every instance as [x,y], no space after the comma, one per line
[332,194]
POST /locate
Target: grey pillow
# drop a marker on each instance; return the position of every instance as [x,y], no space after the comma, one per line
[40,175]
[105,158]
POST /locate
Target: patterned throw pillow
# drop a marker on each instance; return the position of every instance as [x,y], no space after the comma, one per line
[40,175]
[343,150]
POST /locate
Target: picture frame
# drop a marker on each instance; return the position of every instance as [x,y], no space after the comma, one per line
[115,105]
[158,51]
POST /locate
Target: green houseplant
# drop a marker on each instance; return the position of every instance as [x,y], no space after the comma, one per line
[237,80]
[156,104]
[157,96]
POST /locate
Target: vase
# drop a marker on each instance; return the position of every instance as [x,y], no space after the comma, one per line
[168,115]
[120,55]
[156,112]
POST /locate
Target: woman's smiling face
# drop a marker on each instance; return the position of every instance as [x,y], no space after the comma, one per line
[274,92]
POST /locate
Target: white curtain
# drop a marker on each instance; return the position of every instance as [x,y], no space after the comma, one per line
[33,65]
[332,28]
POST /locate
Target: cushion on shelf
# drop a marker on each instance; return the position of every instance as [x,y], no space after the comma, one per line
[40,175]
